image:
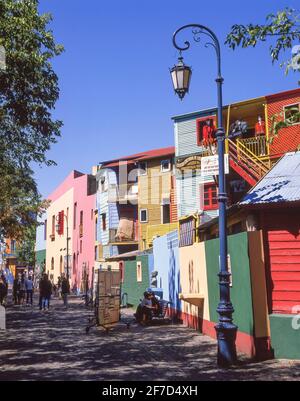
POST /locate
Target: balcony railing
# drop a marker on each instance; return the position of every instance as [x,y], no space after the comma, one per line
[123,193]
[256,145]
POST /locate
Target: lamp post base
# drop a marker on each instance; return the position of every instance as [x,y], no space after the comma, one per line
[226,335]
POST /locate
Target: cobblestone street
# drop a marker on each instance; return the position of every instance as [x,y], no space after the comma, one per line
[54,346]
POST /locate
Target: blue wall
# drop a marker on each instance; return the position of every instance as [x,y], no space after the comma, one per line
[166,263]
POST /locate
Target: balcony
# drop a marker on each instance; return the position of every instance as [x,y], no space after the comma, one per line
[123,193]
[257,146]
[126,234]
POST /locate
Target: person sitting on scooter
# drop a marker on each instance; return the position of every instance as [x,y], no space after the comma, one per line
[144,310]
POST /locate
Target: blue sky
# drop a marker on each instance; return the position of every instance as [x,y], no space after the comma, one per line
[116,92]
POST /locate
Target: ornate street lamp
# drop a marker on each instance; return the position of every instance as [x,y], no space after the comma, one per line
[226,330]
[181,76]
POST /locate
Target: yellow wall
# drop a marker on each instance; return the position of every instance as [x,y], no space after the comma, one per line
[259,287]
[193,278]
[60,242]
[158,230]
[153,187]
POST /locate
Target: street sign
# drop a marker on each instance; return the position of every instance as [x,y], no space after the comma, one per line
[210,165]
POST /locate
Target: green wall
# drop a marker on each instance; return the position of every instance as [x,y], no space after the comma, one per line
[40,257]
[240,291]
[134,289]
[285,340]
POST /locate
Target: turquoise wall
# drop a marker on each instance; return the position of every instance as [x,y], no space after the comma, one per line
[131,286]
[285,340]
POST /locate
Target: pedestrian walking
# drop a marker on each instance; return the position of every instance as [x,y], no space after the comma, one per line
[16,289]
[22,291]
[59,287]
[29,290]
[65,289]
[3,291]
[4,288]
[45,292]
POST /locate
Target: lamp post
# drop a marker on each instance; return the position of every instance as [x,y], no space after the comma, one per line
[60,216]
[181,76]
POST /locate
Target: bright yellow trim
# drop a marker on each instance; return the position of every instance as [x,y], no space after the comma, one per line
[267,129]
[227,129]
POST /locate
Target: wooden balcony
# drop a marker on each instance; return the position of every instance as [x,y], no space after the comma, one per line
[257,146]
[115,239]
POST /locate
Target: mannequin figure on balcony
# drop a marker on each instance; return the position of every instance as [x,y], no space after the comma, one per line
[260,132]
[208,134]
[260,127]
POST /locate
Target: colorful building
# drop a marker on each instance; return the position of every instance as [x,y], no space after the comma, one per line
[251,153]
[275,203]
[70,225]
[135,202]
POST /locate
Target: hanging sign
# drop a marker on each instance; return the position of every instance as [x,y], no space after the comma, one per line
[210,165]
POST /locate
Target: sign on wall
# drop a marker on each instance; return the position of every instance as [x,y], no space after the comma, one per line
[210,165]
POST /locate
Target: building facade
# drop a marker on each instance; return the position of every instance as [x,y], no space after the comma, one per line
[70,232]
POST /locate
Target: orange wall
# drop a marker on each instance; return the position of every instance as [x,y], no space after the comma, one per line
[288,138]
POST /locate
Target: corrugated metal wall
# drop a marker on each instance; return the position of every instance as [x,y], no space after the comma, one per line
[190,194]
[288,139]
[283,259]
[186,136]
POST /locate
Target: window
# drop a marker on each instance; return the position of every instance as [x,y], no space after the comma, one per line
[81,224]
[61,266]
[45,230]
[75,215]
[291,113]
[96,229]
[165,166]
[165,214]
[96,252]
[80,246]
[53,228]
[102,183]
[13,246]
[92,214]
[142,168]
[144,216]
[103,215]
[205,129]
[139,276]
[121,268]
[210,197]
[52,264]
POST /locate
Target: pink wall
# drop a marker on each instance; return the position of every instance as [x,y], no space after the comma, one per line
[84,253]
[67,184]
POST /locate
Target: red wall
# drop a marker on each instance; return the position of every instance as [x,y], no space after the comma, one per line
[288,138]
[282,244]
